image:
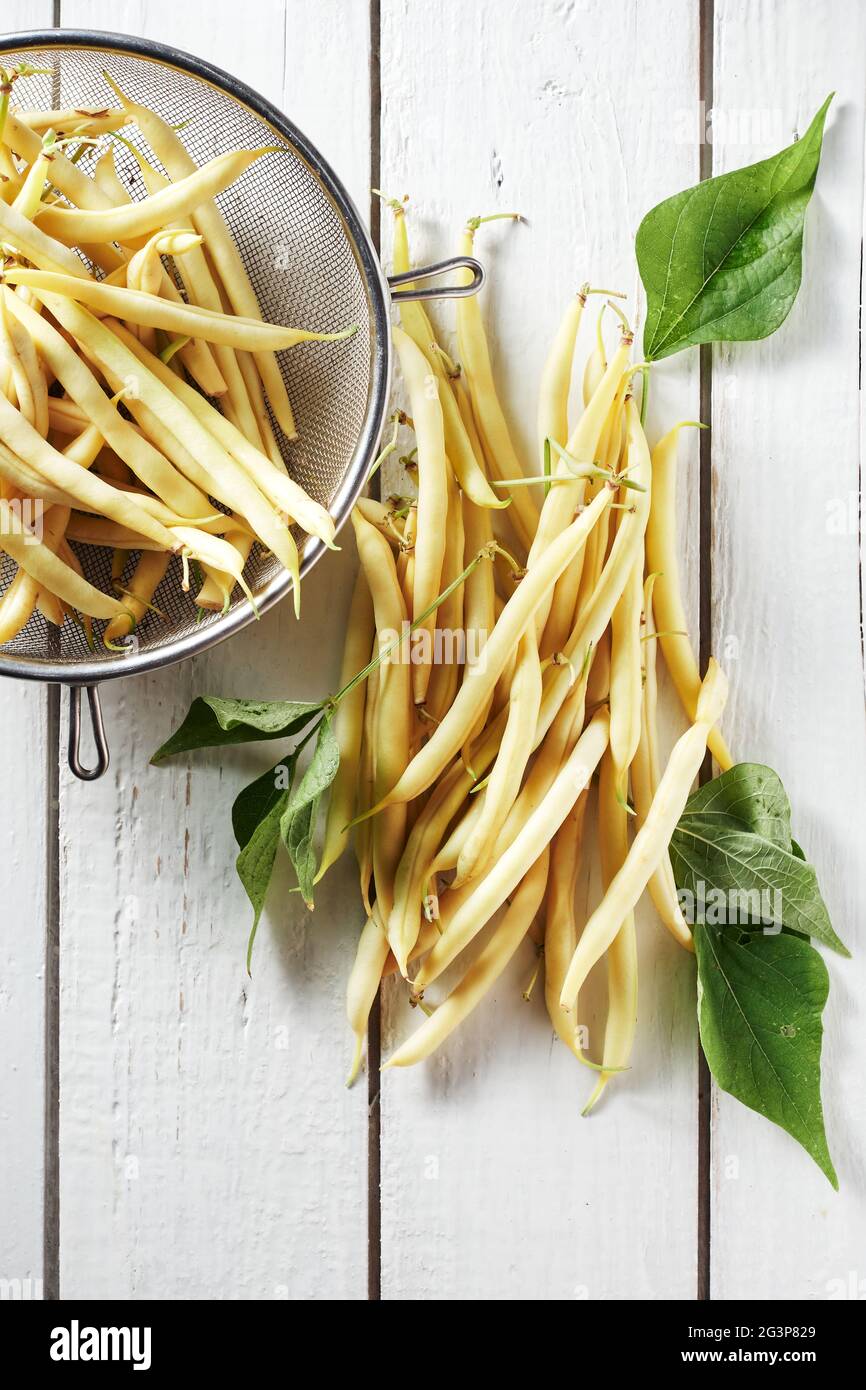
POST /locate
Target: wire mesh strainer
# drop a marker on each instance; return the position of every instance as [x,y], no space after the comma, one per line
[311,262]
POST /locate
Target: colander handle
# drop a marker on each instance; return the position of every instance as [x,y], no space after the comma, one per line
[427,272]
[86,774]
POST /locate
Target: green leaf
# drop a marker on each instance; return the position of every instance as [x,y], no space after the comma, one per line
[298,830]
[214,723]
[760,1001]
[257,800]
[747,797]
[722,262]
[256,816]
[298,822]
[732,852]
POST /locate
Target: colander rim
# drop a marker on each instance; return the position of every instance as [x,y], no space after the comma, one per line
[83,673]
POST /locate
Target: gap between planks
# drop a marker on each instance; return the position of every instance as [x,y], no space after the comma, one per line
[705,587]
[374,1029]
[51,1126]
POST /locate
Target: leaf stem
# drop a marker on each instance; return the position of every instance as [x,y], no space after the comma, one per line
[644,369]
[398,418]
[473,223]
[485,553]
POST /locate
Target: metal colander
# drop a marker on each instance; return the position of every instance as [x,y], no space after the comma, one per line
[311,263]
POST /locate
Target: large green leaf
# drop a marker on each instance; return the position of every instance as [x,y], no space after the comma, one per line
[759,1009]
[213,722]
[722,262]
[732,850]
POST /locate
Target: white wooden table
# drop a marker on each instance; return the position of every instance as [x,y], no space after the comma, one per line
[170,1129]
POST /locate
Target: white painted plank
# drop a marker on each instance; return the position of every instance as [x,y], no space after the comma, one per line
[19,15]
[326,89]
[493,1186]
[208,1146]
[24,845]
[785,454]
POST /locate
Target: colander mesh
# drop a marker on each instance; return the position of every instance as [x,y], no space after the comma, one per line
[301,263]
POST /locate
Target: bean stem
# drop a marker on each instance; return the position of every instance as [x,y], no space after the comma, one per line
[486,552]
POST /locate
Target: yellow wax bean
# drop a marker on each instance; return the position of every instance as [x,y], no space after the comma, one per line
[625,677]
[214,551]
[448,658]
[553,754]
[464,457]
[552,415]
[91,225]
[594,619]
[68,177]
[645,779]
[393,731]
[480,679]
[216,591]
[489,416]
[77,482]
[564,497]
[366,788]
[596,363]
[72,120]
[283,491]
[221,248]
[560,931]
[653,838]
[146,579]
[229,482]
[582,573]
[146,462]
[21,598]
[483,972]
[504,782]
[11,343]
[137,306]
[20,479]
[536,832]
[349,724]
[416,862]
[49,254]
[49,571]
[432,498]
[622,981]
[670,614]
[17,606]
[108,181]
[363,986]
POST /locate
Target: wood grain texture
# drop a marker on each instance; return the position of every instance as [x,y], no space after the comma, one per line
[27,789]
[493,1187]
[24,841]
[208,1146]
[786,440]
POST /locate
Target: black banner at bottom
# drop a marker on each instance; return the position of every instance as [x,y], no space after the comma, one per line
[81,1338]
